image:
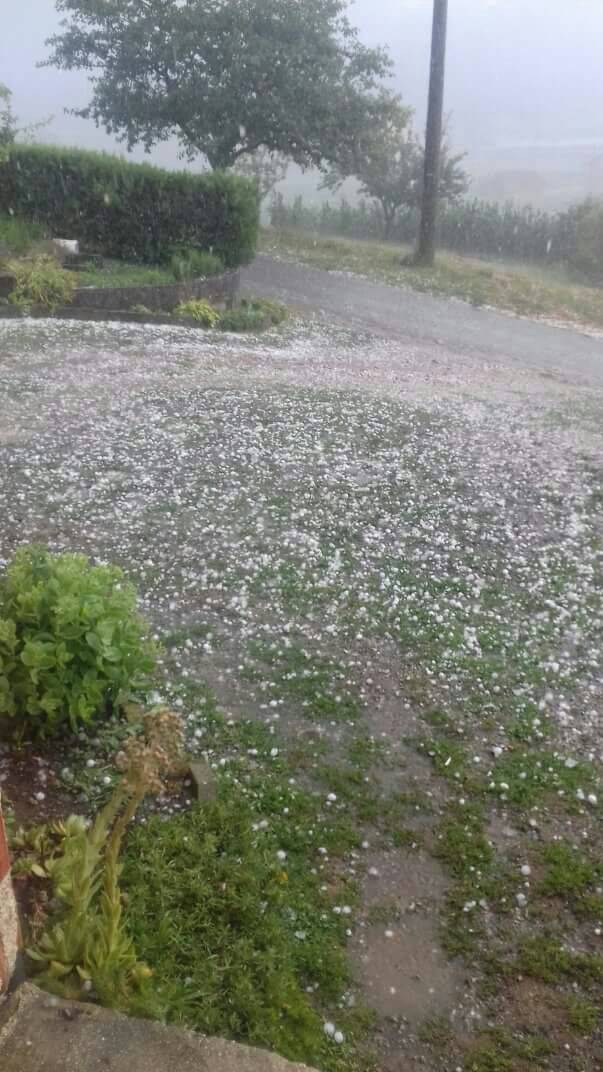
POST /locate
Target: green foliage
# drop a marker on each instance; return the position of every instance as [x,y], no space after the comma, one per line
[582,1016]
[541,957]
[388,160]
[200,310]
[224,78]
[71,641]
[255,314]
[568,872]
[85,948]
[215,912]
[129,211]
[483,228]
[499,1051]
[588,253]
[187,263]
[41,281]
[18,236]
[8,122]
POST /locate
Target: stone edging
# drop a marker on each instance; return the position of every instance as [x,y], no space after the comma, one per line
[9,921]
[218,289]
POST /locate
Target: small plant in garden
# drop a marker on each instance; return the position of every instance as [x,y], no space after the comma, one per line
[86,949]
[190,263]
[71,641]
[255,314]
[201,311]
[41,281]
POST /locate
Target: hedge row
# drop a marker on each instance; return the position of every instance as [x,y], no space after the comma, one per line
[130,211]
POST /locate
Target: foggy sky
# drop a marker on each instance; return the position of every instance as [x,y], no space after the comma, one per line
[518,70]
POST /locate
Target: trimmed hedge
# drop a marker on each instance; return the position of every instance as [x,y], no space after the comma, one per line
[134,212]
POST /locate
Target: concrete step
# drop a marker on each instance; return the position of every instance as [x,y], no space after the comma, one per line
[40,1033]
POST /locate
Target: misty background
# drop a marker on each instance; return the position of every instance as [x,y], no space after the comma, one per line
[524,89]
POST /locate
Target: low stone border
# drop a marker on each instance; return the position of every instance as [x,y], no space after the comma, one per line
[9,920]
[218,289]
[121,316]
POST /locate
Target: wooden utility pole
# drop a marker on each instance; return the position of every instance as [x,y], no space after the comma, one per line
[425,254]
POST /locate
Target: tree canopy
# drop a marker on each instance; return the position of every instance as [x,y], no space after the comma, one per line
[388,161]
[226,77]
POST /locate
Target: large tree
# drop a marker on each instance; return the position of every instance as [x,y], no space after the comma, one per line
[388,160]
[226,77]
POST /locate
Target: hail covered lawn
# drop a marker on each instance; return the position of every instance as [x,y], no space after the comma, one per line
[377,585]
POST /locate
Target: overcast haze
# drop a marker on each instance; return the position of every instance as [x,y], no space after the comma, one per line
[520,73]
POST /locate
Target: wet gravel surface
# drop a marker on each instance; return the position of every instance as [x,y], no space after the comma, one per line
[393,518]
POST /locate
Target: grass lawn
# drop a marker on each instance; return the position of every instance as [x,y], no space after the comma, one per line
[382,624]
[517,288]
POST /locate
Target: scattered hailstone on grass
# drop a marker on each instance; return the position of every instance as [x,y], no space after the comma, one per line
[373,872]
[526,870]
[281,854]
[91,763]
[592,798]
[338,1037]
[40,796]
[521,900]
[329,1029]
[106,780]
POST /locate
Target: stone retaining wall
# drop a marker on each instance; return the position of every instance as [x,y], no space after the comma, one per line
[219,290]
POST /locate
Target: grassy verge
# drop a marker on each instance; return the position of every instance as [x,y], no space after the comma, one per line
[516,289]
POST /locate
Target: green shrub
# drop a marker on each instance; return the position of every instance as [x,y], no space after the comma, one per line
[195,264]
[253,315]
[201,311]
[41,281]
[130,211]
[71,641]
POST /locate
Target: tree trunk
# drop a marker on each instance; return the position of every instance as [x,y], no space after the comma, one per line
[425,255]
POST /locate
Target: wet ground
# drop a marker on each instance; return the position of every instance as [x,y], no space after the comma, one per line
[380,525]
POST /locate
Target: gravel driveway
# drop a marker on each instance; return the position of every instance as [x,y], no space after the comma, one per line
[391,536]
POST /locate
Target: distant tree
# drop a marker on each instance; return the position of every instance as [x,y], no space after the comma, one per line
[268,169]
[8,121]
[226,77]
[388,162]
[10,130]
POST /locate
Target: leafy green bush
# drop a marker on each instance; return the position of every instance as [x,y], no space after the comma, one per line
[195,264]
[71,641]
[41,281]
[130,211]
[200,310]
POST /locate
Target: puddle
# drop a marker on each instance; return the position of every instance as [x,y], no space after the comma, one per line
[403,971]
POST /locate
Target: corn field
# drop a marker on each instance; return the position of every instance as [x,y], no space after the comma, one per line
[479,228]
